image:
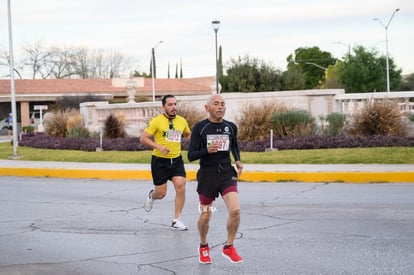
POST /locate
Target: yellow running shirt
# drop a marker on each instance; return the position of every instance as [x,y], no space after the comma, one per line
[168,133]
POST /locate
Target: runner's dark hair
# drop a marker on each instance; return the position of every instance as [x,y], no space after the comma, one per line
[164,99]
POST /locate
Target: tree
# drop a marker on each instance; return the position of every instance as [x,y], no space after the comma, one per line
[81,62]
[152,63]
[220,65]
[181,68]
[293,79]
[365,72]
[62,63]
[5,64]
[115,63]
[247,74]
[407,84]
[312,62]
[139,74]
[56,62]
[38,59]
[332,76]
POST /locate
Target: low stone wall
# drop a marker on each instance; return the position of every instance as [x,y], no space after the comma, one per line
[136,115]
[317,102]
[353,102]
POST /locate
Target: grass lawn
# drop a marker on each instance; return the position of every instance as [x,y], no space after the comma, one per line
[377,155]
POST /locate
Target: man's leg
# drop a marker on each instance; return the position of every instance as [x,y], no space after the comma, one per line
[179,184]
[229,251]
[159,191]
[232,202]
[203,223]
[159,174]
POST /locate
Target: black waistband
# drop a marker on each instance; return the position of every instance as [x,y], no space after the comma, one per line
[169,159]
[223,165]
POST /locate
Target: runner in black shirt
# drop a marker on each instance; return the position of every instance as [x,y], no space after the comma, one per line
[211,141]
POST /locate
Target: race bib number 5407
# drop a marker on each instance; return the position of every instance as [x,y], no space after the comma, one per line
[222,141]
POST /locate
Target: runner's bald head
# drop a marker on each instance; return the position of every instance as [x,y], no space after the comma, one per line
[214,98]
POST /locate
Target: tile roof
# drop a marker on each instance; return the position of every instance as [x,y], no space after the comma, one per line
[51,86]
[185,86]
[179,84]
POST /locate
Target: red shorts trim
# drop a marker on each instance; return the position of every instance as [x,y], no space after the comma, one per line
[205,200]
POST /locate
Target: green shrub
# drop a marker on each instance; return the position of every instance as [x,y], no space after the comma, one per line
[78,131]
[336,123]
[293,123]
[74,124]
[378,117]
[28,129]
[254,119]
[411,117]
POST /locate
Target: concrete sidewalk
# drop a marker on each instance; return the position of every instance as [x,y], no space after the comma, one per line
[350,173]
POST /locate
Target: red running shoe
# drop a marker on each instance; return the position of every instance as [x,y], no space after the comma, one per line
[204,255]
[230,253]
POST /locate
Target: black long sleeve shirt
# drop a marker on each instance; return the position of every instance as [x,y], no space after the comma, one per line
[206,132]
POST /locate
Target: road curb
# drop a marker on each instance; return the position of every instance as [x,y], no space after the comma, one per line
[249,176]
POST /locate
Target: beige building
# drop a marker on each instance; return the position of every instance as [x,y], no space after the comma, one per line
[29,93]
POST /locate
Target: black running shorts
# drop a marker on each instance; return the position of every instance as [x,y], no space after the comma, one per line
[164,169]
[212,181]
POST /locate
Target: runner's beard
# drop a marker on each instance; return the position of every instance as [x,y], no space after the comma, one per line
[170,116]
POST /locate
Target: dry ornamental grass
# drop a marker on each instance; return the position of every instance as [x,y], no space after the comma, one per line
[378,117]
[254,119]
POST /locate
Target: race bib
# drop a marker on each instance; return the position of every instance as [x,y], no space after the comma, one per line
[222,141]
[173,136]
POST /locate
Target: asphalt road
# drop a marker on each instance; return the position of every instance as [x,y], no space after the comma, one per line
[85,226]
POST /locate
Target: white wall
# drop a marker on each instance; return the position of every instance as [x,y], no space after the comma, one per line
[317,102]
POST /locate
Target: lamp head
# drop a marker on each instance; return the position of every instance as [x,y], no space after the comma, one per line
[216,24]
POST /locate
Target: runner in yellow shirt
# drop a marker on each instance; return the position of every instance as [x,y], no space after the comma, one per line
[163,134]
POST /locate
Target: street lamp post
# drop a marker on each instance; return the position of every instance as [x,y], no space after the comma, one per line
[386,46]
[153,70]
[316,65]
[12,85]
[216,26]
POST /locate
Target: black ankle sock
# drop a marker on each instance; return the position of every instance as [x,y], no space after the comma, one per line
[227,246]
[203,245]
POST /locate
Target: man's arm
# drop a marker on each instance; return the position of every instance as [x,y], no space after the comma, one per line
[187,135]
[147,139]
[235,150]
[195,150]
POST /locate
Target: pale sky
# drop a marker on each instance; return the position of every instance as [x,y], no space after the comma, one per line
[266,29]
